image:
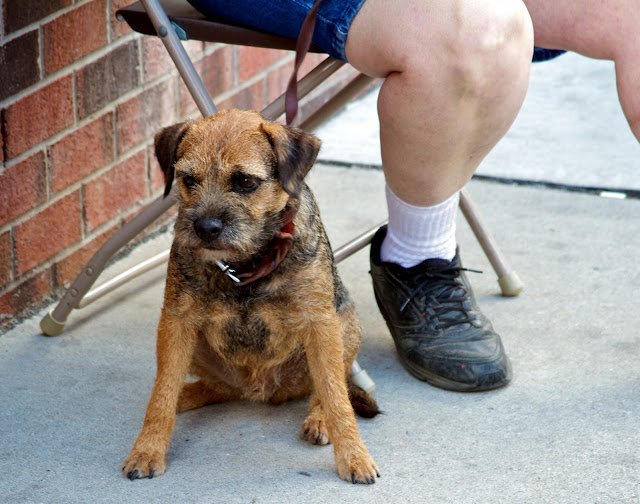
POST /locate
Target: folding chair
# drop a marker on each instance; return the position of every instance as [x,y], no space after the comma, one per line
[173,20]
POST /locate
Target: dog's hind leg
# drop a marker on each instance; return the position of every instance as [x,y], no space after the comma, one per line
[197,394]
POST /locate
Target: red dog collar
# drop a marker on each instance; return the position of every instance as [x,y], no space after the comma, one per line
[271,260]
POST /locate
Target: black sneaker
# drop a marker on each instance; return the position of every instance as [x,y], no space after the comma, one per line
[440,334]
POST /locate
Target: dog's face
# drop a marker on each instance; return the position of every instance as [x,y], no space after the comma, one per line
[235,173]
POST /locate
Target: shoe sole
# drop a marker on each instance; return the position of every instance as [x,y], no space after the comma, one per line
[432,378]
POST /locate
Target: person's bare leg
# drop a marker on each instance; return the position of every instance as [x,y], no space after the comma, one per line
[602,30]
[456,75]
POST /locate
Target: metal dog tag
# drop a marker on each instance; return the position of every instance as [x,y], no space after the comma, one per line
[226,269]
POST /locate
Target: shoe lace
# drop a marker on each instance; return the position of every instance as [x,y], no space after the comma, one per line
[446,292]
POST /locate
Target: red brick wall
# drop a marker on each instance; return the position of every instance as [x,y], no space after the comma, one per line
[81,97]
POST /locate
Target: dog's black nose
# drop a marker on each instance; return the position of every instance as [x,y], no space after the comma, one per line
[207,229]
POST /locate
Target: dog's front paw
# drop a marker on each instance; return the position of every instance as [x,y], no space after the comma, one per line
[357,467]
[143,465]
[314,429]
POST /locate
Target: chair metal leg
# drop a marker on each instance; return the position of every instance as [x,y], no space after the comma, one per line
[508,279]
[53,323]
[359,242]
[308,83]
[124,277]
[360,378]
[167,34]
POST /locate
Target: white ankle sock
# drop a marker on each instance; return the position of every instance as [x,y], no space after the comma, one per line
[417,233]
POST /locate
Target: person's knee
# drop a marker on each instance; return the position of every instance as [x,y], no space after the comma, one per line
[427,38]
[489,49]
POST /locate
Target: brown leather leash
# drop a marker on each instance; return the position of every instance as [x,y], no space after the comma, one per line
[302,48]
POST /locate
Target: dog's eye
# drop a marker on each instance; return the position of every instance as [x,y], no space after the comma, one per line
[244,183]
[189,181]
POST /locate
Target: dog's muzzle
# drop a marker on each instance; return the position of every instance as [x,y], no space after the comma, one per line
[208,229]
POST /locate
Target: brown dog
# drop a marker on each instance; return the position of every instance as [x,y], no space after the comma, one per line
[275,325]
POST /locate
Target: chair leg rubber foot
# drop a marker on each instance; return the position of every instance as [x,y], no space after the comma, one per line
[50,326]
[362,380]
[510,284]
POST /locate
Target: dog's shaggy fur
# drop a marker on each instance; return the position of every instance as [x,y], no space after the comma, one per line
[286,335]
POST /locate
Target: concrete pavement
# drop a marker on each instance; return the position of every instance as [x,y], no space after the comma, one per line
[566,430]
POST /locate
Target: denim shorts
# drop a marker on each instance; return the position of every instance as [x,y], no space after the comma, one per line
[541,54]
[285,17]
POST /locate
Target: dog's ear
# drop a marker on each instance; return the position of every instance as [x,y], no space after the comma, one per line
[295,151]
[167,141]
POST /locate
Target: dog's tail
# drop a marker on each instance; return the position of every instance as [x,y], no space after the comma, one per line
[363,404]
